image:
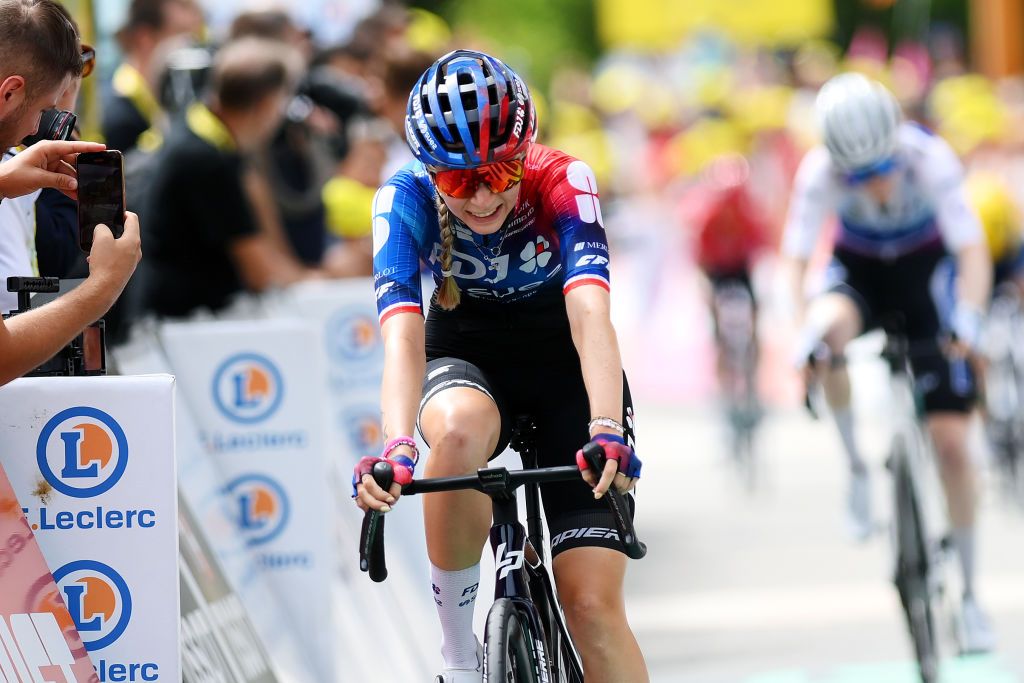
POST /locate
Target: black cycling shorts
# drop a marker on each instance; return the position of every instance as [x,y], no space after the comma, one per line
[919,286]
[522,356]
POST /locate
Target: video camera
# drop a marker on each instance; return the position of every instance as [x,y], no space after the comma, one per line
[86,354]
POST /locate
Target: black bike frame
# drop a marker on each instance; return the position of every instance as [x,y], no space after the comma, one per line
[526,582]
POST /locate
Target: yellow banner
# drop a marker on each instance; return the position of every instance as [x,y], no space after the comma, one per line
[661,24]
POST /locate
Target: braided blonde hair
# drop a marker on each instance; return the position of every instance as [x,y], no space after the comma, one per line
[448,294]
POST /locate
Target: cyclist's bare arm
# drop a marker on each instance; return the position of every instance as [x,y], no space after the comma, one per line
[589,310]
[811,202]
[974,283]
[404,365]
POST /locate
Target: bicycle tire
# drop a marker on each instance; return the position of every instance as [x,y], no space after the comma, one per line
[509,655]
[912,569]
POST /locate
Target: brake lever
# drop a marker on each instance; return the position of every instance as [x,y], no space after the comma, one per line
[635,549]
[371,537]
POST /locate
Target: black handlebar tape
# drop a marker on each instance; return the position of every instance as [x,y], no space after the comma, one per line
[635,549]
[371,543]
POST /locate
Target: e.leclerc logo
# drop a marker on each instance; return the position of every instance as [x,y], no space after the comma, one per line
[260,508]
[247,387]
[362,424]
[82,452]
[353,337]
[100,603]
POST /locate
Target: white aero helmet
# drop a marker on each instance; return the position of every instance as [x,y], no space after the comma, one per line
[859,119]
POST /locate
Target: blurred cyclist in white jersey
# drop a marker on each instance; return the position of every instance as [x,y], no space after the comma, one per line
[908,243]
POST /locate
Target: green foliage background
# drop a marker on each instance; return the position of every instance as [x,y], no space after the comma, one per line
[533,36]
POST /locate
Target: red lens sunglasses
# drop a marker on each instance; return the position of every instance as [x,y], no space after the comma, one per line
[461,183]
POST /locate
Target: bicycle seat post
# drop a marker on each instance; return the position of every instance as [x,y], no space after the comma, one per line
[524,442]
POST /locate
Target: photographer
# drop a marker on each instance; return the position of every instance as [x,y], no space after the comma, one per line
[204,240]
[40,55]
[132,107]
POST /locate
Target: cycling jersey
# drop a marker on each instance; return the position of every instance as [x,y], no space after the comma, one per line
[731,232]
[554,238]
[928,204]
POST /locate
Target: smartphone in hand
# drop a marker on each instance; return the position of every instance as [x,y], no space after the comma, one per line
[100,194]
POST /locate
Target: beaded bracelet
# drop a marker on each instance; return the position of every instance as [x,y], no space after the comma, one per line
[606,422]
[390,446]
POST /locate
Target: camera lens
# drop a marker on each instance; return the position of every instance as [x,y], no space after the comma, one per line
[54,124]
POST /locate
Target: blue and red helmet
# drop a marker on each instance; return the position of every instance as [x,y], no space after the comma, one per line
[492,118]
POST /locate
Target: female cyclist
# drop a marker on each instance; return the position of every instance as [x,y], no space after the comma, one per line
[519,323]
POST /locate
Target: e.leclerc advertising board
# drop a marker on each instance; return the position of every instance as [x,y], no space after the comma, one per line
[255,389]
[91,460]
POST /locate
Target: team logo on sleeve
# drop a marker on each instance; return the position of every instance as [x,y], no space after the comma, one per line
[382,203]
[582,178]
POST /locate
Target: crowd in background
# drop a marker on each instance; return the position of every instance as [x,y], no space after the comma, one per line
[303,133]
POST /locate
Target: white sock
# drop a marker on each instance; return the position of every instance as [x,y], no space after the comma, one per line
[844,422]
[455,596]
[964,539]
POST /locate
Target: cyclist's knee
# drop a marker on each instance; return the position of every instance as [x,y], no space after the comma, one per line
[949,433]
[592,611]
[590,589]
[462,427]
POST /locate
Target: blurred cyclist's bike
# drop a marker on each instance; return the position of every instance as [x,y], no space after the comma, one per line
[525,636]
[1004,390]
[737,349]
[919,540]
[920,543]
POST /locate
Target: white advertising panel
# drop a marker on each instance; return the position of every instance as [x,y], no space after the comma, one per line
[200,484]
[346,314]
[91,461]
[256,391]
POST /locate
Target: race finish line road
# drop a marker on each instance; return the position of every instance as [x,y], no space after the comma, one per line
[765,587]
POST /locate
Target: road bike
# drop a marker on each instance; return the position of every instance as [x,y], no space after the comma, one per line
[920,544]
[1004,391]
[525,635]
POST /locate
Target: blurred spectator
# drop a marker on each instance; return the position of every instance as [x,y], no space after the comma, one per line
[348,197]
[40,55]
[56,225]
[398,73]
[18,215]
[304,152]
[204,235]
[132,106]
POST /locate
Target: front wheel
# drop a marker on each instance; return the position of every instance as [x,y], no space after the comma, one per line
[913,568]
[509,654]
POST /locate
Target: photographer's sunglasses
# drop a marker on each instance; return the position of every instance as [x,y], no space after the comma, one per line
[88,59]
[461,183]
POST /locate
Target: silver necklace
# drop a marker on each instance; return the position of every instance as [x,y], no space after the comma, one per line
[495,251]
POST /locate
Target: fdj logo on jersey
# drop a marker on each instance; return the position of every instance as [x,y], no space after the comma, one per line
[247,388]
[100,603]
[82,452]
[260,507]
[352,335]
